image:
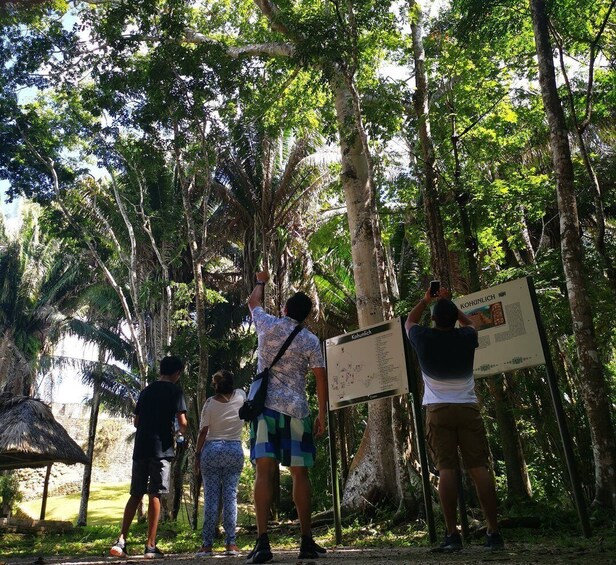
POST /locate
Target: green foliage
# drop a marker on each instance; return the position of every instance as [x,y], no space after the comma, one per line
[39,288]
[10,495]
[160,102]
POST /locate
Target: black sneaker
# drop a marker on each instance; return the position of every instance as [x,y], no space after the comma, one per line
[310,549]
[262,552]
[494,541]
[119,549]
[153,553]
[451,543]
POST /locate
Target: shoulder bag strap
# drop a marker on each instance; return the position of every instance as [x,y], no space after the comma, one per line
[286,344]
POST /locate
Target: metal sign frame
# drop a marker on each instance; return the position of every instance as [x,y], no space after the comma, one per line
[420,435]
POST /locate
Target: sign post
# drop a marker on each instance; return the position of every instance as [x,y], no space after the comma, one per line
[333,457]
[511,337]
[374,362]
[365,365]
[576,484]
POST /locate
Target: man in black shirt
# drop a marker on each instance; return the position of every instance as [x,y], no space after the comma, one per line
[453,420]
[159,404]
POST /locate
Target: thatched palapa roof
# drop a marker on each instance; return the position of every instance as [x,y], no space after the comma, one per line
[31,437]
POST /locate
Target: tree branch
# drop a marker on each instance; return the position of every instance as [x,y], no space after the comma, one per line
[271,12]
[263,49]
[591,67]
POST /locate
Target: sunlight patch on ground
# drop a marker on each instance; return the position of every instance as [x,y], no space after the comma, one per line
[105,506]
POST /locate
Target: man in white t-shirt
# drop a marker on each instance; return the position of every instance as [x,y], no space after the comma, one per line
[284,433]
[453,420]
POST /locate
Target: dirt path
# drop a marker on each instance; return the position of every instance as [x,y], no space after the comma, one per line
[515,553]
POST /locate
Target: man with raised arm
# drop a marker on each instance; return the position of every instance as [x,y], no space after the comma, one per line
[453,420]
[284,433]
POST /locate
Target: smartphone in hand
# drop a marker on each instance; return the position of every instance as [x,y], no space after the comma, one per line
[435,287]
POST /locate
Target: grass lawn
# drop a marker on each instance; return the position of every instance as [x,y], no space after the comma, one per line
[559,531]
[105,507]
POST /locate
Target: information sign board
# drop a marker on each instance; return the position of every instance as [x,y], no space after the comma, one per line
[367,364]
[508,333]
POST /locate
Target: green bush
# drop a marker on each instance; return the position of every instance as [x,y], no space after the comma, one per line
[9,492]
[247,479]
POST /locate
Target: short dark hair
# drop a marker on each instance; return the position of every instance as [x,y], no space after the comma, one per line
[222,382]
[299,306]
[170,365]
[445,313]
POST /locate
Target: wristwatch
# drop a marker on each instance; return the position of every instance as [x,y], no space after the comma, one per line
[260,283]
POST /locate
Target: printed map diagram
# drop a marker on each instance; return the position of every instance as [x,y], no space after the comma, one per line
[343,379]
[366,364]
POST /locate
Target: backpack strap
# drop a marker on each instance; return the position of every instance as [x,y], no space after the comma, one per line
[286,344]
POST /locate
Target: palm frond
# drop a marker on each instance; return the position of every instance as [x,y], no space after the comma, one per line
[108,339]
[119,389]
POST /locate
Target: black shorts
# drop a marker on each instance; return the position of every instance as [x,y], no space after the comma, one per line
[150,476]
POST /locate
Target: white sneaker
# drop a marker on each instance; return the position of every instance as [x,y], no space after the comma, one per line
[118,549]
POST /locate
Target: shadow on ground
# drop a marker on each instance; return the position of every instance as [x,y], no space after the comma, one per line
[515,553]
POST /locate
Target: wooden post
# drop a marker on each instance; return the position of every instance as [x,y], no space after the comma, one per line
[45,491]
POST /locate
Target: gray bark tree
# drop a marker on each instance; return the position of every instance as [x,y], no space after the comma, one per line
[438,247]
[371,476]
[592,381]
[82,516]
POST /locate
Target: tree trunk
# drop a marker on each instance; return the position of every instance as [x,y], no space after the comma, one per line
[462,196]
[371,478]
[518,481]
[6,357]
[134,285]
[595,186]
[434,225]
[82,518]
[591,381]
[195,491]
[197,243]
[161,331]
[197,249]
[177,476]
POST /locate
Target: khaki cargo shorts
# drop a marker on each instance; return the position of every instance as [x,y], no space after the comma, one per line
[453,426]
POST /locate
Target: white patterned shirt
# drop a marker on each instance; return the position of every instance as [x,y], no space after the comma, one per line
[286,390]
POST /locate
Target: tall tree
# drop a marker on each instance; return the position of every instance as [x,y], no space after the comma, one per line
[458,68]
[592,381]
[588,40]
[439,253]
[272,186]
[369,478]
